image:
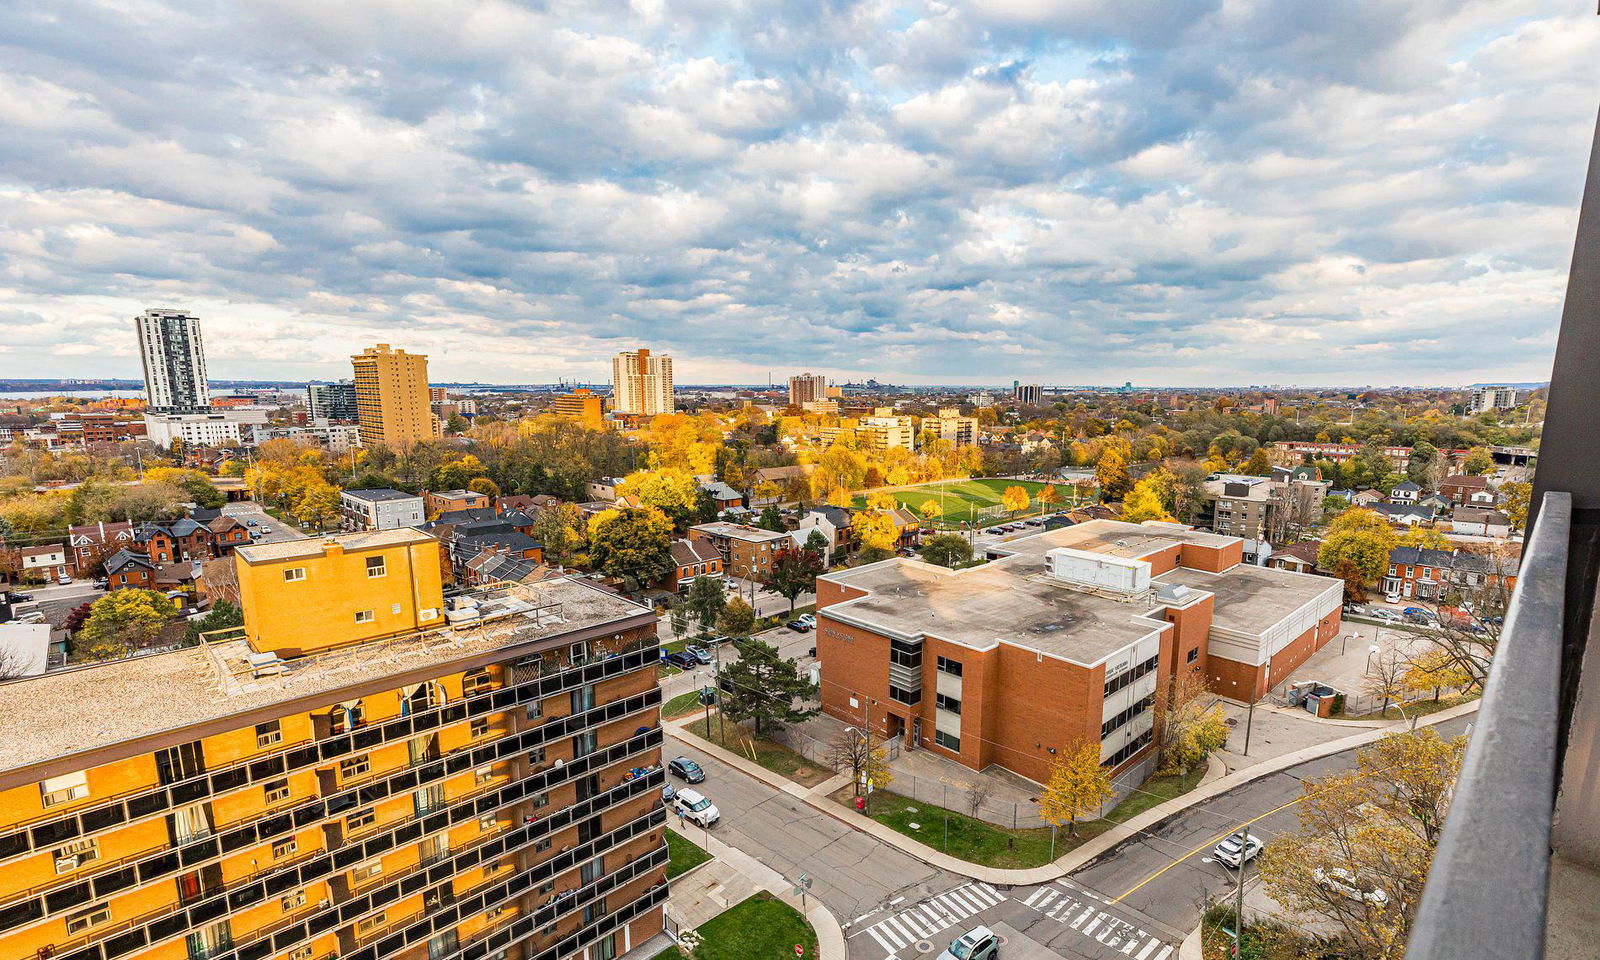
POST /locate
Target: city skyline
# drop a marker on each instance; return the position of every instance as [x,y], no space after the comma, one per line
[923,195]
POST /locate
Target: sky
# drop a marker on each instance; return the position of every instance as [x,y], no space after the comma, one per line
[1172,192]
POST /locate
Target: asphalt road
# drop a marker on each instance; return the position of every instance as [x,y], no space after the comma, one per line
[249,510]
[55,602]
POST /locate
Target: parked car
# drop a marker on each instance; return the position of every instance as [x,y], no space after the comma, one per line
[694,807]
[809,620]
[1387,616]
[1419,616]
[64,580]
[728,583]
[1235,855]
[687,769]
[682,661]
[798,625]
[979,943]
[102,582]
[265,528]
[700,654]
[21,597]
[1345,883]
[668,793]
[249,523]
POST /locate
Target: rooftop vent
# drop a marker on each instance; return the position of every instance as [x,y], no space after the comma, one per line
[1173,593]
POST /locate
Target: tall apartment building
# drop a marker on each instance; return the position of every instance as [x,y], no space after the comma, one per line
[392,397]
[746,551]
[174,358]
[882,433]
[331,401]
[371,783]
[641,383]
[1027,394]
[1484,399]
[952,426]
[1066,637]
[806,387]
[582,406]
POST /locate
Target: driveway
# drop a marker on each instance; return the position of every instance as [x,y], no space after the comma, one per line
[249,510]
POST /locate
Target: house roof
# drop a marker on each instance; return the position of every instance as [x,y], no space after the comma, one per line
[43,550]
[88,533]
[127,558]
[379,494]
[775,474]
[721,491]
[1401,510]
[1479,515]
[689,552]
[1305,551]
[1406,485]
[469,515]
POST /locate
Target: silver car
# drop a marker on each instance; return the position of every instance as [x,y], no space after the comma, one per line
[979,943]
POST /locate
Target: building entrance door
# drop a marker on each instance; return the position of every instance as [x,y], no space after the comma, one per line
[916,733]
[897,726]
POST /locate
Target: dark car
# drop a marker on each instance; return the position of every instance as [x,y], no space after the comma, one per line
[682,661]
[798,626]
[687,770]
[21,597]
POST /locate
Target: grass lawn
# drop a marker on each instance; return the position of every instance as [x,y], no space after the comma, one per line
[671,953]
[962,498]
[978,841]
[681,704]
[774,756]
[759,928]
[683,854]
[1417,708]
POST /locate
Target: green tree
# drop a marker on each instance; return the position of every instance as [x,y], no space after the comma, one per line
[770,520]
[764,687]
[947,550]
[123,621]
[737,620]
[222,616]
[457,424]
[632,544]
[1357,548]
[558,528]
[794,571]
[705,601]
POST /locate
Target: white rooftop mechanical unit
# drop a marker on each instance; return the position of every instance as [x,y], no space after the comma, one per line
[1098,571]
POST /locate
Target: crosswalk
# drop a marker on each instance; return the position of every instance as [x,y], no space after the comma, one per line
[1081,911]
[925,920]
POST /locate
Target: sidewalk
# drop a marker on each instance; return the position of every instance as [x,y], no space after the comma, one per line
[818,798]
[733,875]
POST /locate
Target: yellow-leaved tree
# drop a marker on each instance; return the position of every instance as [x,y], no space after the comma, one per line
[878,500]
[1014,499]
[931,510]
[1435,670]
[1143,502]
[1077,788]
[874,530]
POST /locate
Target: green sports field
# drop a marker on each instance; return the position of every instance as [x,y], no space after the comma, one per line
[965,499]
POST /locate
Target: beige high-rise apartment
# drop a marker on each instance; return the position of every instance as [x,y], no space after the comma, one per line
[642,383]
[392,397]
[806,387]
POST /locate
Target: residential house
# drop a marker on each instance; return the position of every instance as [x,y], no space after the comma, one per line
[47,560]
[834,525]
[1298,557]
[690,559]
[724,496]
[1366,498]
[1479,521]
[1406,491]
[790,481]
[746,551]
[226,533]
[436,502]
[1416,573]
[93,542]
[1404,514]
[181,539]
[1468,489]
[602,489]
[381,508]
[127,569]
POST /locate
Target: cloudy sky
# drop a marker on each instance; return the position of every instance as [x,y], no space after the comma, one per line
[1164,191]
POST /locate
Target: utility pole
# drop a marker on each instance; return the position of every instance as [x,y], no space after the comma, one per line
[1238,916]
[1249,721]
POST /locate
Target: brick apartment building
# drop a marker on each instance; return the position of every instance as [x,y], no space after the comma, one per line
[347,778]
[746,551]
[1068,637]
[436,502]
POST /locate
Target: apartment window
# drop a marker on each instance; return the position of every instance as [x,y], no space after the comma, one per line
[344,717]
[478,727]
[951,667]
[476,681]
[364,616]
[189,824]
[1194,655]
[285,848]
[176,764]
[1128,677]
[73,855]
[269,733]
[582,698]
[299,953]
[541,800]
[583,744]
[494,911]
[353,767]
[375,567]
[64,789]
[294,574]
[540,846]
[364,872]
[488,822]
[905,654]
[276,790]
[948,741]
[536,757]
[901,695]
[947,703]
[293,901]
[87,919]
[366,925]
[359,820]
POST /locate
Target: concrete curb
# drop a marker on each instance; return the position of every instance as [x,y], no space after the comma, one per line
[830,936]
[1190,948]
[1074,859]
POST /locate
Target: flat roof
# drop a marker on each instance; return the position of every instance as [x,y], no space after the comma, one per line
[316,546]
[1251,599]
[738,531]
[1114,538]
[1008,600]
[381,493]
[74,711]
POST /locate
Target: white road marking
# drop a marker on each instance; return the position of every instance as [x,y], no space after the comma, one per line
[1164,954]
[1092,924]
[1033,897]
[1145,953]
[1086,914]
[888,947]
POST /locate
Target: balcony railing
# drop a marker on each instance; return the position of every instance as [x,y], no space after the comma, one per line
[1518,866]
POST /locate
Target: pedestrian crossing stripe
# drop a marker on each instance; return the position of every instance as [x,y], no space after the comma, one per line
[924,920]
[1086,917]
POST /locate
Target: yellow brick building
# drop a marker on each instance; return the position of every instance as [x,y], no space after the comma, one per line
[392,405]
[313,787]
[582,406]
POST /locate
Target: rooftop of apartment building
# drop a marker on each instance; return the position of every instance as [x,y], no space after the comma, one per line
[739,531]
[379,494]
[55,715]
[1014,599]
[314,546]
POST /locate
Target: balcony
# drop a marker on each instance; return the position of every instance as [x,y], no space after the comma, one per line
[1517,873]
